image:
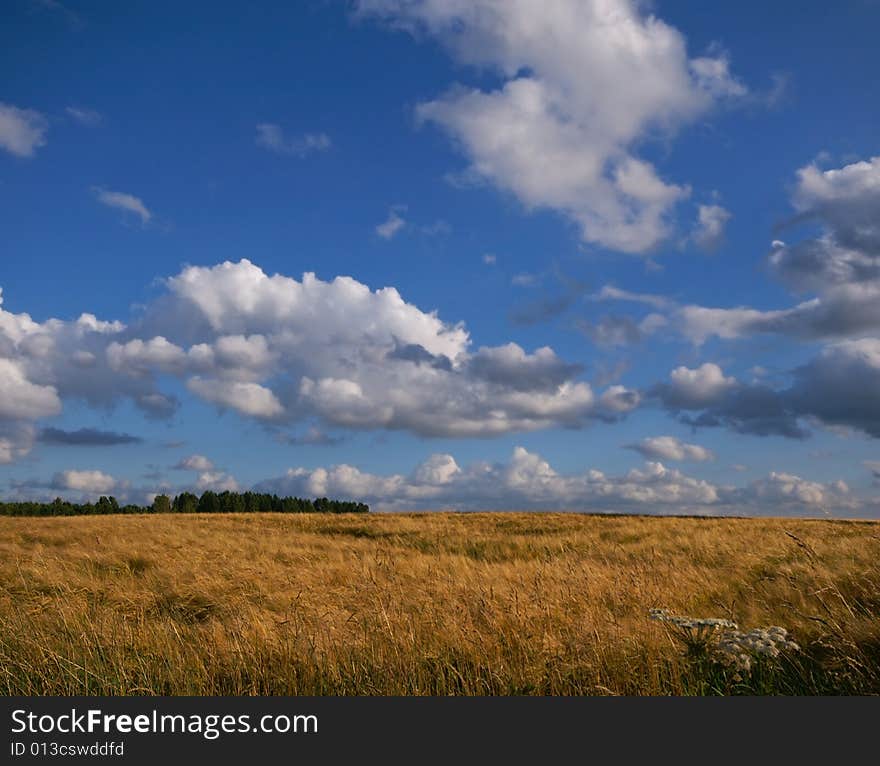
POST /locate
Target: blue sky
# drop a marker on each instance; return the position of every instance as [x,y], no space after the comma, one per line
[670,210]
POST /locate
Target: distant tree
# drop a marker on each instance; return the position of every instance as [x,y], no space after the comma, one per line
[185,502]
[107,505]
[209,502]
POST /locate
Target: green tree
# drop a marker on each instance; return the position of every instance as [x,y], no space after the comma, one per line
[185,502]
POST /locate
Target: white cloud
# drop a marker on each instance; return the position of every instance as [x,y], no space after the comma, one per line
[841,266]
[247,398]
[16,440]
[216,481]
[670,448]
[528,482]
[137,357]
[838,388]
[490,259]
[438,469]
[285,351]
[20,399]
[393,224]
[816,188]
[45,363]
[87,482]
[712,220]
[122,201]
[271,136]
[584,82]
[195,463]
[369,360]
[692,388]
[22,131]
[787,493]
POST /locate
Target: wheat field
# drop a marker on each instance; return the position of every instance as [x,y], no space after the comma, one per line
[406,604]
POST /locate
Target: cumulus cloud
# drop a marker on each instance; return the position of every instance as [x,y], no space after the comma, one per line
[847,310]
[282,351]
[247,398]
[840,267]
[694,388]
[843,311]
[708,234]
[836,388]
[670,448]
[845,200]
[528,482]
[367,359]
[195,463]
[393,224]
[88,482]
[22,131]
[706,397]
[21,399]
[216,481]
[16,440]
[511,366]
[121,201]
[787,494]
[840,387]
[272,137]
[44,363]
[583,84]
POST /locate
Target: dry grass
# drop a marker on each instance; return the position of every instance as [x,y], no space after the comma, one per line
[424,604]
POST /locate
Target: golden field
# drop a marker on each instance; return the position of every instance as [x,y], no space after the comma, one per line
[503,603]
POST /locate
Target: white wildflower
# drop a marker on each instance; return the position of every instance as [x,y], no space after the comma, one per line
[723,640]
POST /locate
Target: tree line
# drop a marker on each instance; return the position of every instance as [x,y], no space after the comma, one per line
[187,502]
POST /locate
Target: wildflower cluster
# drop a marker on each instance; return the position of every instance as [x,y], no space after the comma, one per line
[736,649]
[723,642]
[696,633]
[691,623]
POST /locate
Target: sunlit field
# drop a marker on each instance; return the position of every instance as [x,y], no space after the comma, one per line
[430,604]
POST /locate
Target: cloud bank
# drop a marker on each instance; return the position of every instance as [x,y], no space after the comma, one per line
[528,482]
[279,351]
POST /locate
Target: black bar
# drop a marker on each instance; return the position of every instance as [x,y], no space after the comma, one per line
[415,729]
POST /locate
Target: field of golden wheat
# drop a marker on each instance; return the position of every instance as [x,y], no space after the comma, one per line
[504,603]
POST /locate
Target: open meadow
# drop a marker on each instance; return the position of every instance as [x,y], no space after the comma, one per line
[504,603]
